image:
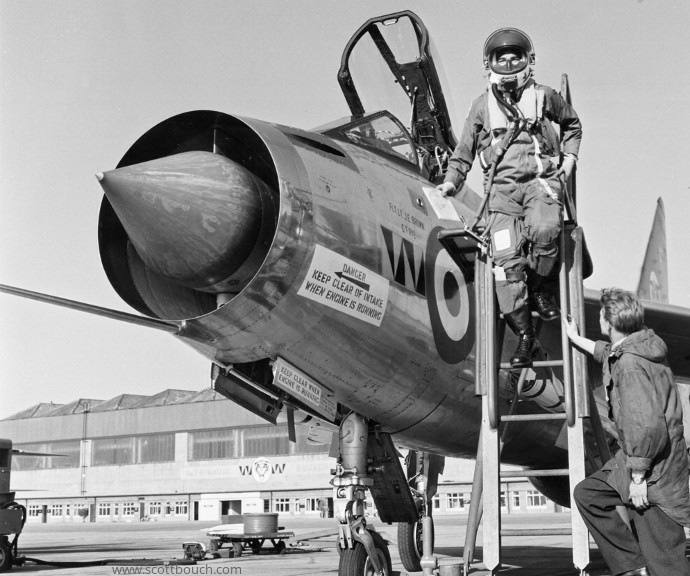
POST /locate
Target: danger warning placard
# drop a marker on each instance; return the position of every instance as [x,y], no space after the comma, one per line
[344,285]
[298,384]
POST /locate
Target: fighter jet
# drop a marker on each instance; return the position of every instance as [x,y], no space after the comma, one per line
[306,266]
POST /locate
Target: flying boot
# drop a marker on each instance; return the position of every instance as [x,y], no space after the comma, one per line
[637,572]
[539,298]
[520,322]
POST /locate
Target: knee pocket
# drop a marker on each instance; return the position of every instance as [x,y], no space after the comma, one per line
[542,234]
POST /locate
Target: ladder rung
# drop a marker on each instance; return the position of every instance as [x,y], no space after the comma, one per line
[534,473]
[563,531]
[533,417]
[537,364]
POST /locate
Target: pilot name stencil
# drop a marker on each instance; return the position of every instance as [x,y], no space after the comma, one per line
[410,224]
[344,285]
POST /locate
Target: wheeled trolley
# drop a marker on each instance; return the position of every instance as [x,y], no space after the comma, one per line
[253,542]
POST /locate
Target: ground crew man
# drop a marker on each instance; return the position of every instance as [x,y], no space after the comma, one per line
[509,128]
[651,468]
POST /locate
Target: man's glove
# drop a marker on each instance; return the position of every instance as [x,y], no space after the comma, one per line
[566,168]
[446,189]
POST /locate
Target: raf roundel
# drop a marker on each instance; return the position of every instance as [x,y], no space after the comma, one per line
[451,303]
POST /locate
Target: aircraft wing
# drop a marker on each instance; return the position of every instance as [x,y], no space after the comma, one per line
[671,323]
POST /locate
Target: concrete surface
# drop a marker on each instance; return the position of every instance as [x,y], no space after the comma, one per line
[136,545]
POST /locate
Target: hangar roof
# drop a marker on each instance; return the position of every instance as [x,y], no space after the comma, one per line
[121,402]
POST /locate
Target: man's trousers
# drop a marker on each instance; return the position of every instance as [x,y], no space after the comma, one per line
[660,542]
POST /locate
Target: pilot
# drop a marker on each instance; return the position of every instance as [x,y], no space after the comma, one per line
[509,128]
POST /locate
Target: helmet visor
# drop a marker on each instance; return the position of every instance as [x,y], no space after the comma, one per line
[508,60]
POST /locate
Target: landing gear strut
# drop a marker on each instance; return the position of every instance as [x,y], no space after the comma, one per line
[363,552]
[416,539]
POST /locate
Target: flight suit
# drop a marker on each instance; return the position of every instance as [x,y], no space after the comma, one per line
[526,192]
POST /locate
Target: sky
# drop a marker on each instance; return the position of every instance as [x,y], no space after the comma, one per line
[81,80]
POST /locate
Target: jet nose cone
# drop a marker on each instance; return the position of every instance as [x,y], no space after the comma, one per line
[194,217]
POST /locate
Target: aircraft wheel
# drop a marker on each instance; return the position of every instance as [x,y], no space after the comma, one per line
[5,555]
[411,544]
[255,545]
[356,562]
[280,547]
[237,549]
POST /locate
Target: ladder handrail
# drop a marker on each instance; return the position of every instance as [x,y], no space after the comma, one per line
[491,345]
[565,294]
[577,310]
[480,333]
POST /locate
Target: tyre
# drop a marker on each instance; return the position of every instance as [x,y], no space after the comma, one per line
[5,555]
[356,562]
[411,544]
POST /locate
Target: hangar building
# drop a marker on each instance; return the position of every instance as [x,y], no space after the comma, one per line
[187,455]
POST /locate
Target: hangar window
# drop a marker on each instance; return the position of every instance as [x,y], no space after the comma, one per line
[130,508]
[515,500]
[274,441]
[133,450]
[181,508]
[456,501]
[34,510]
[104,509]
[257,441]
[281,505]
[155,508]
[265,441]
[155,448]
[535,500]
[66,456]
[112,451]
[311,505]
[211,444]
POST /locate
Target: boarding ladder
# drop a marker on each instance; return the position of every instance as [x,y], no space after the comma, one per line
[490,331]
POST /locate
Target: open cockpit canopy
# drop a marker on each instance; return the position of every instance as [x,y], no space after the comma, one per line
[389,64]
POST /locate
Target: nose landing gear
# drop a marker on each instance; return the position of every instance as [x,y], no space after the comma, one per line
[363,551]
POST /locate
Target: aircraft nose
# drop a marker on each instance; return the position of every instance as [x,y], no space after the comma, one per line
[194,218]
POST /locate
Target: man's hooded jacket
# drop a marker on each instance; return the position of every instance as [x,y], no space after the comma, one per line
[645,407]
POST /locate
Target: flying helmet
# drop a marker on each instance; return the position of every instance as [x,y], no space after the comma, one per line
[514,74]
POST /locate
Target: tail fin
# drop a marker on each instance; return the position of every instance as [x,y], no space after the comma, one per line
[653,284]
